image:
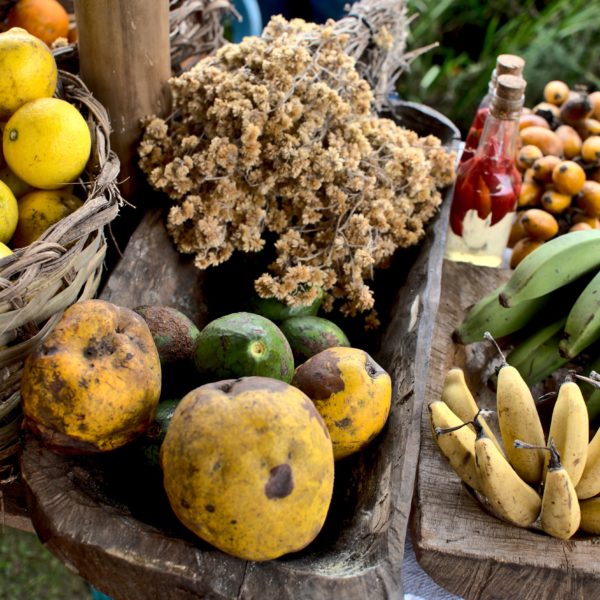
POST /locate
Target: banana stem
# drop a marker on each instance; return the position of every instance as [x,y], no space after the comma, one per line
[484,412]
[490,338]
[554,455]
[593,379]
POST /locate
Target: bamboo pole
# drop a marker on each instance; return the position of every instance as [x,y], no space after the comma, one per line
[124,59]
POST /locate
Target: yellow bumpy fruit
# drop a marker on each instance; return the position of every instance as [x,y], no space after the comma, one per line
[248,467]
[351,392]
[28,70]
[47,143]
[40,209]
[94,383]
[9,213]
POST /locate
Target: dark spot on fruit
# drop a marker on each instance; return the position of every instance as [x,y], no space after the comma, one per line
[372,368]
[209,508]
[83,383]
[319,377]
[233,522]
[346,422]
[99,347]
[185,503]
[49,351]
[281,482]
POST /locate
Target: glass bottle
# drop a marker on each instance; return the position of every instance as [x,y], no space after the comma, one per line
[488,184]
[506,64]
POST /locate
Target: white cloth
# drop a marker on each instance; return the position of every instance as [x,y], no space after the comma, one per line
[416,583]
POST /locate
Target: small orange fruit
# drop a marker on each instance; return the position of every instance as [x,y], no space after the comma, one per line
[588,198]
[539,224]
[556,92]
[568,177]
[590,149]
[46,19]
[527,156]
[555,202]
[521,249]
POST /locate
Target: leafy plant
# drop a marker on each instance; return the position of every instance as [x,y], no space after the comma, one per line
[557,38]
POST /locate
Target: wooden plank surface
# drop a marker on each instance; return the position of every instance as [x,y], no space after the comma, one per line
[462,547]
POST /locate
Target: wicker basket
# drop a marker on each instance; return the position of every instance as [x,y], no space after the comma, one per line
[65,265]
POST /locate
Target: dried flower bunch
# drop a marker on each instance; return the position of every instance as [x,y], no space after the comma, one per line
[277,134]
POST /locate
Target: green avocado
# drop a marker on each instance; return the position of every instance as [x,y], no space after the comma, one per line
[278,311]
[243,344]
[310,335]
[149,443]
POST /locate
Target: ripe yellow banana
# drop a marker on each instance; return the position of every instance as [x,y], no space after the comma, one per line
[458,447]
[508,494]
[560,515]
[589,483]
[590,515]
[458,397]
[519,420]
[569,430]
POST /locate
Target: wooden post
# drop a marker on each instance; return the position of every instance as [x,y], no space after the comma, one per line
[124,58]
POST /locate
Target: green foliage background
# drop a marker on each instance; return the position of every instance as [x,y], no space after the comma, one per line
[559,39]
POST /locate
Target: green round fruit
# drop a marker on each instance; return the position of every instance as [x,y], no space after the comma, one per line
[173,332]
[310,335]
[150,443]
[278,311]
[243,344]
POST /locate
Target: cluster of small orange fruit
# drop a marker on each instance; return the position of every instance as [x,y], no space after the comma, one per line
[559,158]
[46,142]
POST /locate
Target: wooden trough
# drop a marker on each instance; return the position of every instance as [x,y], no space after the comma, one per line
[110,520]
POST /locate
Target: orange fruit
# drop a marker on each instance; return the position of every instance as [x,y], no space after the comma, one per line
[46,19]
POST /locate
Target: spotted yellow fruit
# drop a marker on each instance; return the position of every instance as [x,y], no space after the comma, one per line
[40,209]
[9,213]
[28,70]
[47,143]
[248,467]
[94,383]
[17,186]
[351,392]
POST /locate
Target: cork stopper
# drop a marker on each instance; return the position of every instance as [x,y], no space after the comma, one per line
[510,87]
[509,64]
[508,98]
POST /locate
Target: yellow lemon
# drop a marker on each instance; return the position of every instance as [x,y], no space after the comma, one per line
[4,252]
[47,143]
[9,213]
[40,209]
[28,70]
[17,186]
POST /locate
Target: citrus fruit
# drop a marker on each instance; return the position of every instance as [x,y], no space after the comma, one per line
[40,209]
[28,70]
[45,19]
[17,186]
[9,213]
[4,250]
[242,344]
[47,143]
[248,467]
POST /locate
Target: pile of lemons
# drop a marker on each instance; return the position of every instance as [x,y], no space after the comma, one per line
[46,143]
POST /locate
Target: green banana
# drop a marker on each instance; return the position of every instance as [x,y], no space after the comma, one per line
[537,356]
[590,392]
[553,265]
[582,326]
[489,315]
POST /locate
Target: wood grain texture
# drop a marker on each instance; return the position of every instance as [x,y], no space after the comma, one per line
[151,271]
[13,507]
[463,548]
[124,58]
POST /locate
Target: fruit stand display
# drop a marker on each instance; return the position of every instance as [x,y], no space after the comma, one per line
[280,360]
[92,387]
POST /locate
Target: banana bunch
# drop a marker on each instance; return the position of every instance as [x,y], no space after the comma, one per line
[550,305]
[527,479]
